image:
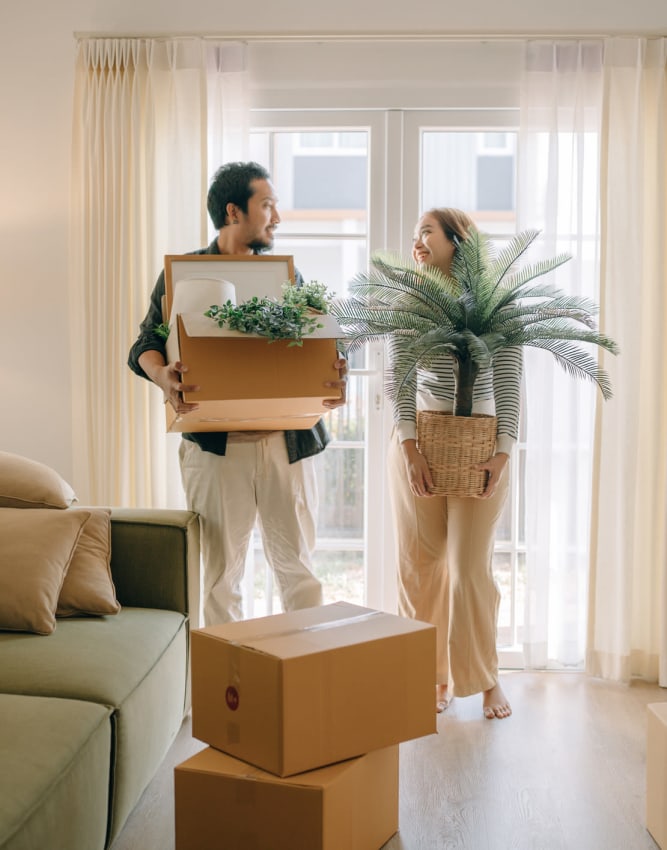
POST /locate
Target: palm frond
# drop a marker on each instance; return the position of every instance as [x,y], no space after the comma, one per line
[576,362]
[385,318]
[516,286]
[556,330]
[470,260]
[368,322]
[428,292]
[507,256]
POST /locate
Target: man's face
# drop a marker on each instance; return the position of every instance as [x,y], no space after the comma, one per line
[259,223]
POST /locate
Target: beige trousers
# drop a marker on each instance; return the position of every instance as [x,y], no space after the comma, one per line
[444,548]
[252,481]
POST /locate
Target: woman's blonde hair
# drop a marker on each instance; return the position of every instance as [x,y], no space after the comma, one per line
[455,224]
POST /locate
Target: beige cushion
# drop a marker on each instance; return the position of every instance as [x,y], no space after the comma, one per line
[36,548]
[27,483]
[88,587]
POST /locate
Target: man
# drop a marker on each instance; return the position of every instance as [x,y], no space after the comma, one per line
[231,479]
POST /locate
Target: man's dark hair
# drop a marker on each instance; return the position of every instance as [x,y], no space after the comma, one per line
[231,185]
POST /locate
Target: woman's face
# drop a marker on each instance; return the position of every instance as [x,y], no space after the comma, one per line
[430,246]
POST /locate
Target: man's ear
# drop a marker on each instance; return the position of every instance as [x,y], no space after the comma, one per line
[232,214]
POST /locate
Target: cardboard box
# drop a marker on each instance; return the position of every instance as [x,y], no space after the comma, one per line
[224,804]
[296,691]
[247,382]
[656,772]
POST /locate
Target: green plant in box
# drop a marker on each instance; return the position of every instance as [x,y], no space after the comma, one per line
[292,318]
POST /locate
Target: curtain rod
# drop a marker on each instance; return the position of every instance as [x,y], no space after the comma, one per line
[376,37]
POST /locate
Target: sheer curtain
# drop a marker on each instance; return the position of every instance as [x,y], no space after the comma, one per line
[153,118]
[558,189]
[628,602]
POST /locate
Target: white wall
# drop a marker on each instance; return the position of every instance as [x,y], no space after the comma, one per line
[37,47]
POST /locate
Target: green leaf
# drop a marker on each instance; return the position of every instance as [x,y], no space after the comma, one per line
[291,318]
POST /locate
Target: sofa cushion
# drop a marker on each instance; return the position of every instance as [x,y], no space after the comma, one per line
[54,782]
[88,587]
[96,659]
[36,548]
[26,483]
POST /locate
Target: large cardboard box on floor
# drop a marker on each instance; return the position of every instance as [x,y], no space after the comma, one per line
[656,772]
[222,803]
[247,382]
[296,691]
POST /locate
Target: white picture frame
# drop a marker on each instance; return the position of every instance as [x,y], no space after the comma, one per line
[258,275]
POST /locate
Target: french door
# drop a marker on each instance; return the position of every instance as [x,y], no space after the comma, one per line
[350,183]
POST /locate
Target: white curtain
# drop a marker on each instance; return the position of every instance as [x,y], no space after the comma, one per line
[558,192]
[153,118]
[628,602]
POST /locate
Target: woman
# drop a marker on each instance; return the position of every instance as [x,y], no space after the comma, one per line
[445,543]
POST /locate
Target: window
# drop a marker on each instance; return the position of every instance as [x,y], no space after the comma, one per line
[390,166]
[322,182]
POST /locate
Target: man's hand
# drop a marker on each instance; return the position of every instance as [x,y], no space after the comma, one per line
[341,384]
[169,379]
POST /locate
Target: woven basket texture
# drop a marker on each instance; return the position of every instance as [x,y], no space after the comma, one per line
[451,445]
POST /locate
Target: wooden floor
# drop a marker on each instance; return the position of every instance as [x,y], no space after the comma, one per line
[565,772]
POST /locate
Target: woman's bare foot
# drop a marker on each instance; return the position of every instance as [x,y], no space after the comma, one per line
[442,698]
[495,703]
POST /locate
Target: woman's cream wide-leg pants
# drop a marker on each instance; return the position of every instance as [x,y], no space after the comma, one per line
[444,548]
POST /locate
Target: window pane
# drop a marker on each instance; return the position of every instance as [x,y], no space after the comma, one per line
[321,179]
[340,571]
[347,423]
[474,172]
[340,474]
[502,571]
[342,576]
[333,262]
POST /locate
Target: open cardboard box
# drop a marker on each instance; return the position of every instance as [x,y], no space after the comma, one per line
[222,803]
[247,382]
[295,691]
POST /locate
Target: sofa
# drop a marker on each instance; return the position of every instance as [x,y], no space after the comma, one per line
[90,702]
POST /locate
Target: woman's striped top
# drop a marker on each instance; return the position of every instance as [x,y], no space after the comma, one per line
[497,391]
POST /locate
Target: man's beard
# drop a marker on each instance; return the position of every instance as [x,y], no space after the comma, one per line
[258,246]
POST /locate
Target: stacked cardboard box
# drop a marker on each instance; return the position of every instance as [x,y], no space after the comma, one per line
[303,713]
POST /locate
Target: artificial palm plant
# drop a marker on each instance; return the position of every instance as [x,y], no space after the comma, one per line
[484,305]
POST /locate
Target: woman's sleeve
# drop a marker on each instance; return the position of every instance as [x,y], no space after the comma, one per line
[507,373]
[404,410]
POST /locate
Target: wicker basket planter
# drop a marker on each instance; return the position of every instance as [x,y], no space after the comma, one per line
[451,445]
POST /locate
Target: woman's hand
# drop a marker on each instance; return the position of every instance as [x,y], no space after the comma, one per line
[495,466]
[416,468]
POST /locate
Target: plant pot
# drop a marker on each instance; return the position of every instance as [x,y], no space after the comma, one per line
[452,445]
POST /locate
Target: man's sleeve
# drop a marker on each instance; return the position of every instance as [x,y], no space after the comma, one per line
[148,339]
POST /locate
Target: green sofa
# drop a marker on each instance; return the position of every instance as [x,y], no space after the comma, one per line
[88,712]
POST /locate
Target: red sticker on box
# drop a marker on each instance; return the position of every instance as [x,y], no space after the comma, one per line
[232,698]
